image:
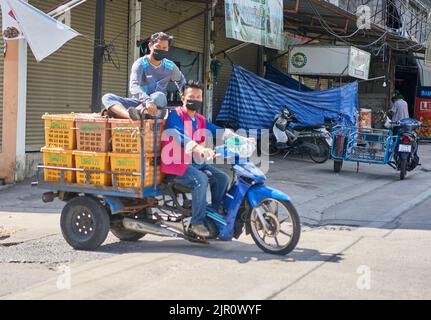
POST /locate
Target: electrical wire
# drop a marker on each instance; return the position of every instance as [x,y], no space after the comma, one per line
[325,26]
[109,53]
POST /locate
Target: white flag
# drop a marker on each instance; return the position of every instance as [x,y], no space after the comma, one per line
[44,34]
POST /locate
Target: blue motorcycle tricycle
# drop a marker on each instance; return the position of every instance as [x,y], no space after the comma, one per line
[396,146]
[165,209]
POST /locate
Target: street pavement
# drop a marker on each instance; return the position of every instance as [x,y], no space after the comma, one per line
[366,235]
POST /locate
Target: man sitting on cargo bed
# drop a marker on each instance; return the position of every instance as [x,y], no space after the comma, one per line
[149,80]
[185,134]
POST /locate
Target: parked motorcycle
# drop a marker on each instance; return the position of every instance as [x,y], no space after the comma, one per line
[289,137]
[406,151]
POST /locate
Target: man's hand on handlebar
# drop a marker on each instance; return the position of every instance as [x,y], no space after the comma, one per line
[206,153]
[252,140]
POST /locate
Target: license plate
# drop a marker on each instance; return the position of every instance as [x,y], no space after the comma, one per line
[405,148]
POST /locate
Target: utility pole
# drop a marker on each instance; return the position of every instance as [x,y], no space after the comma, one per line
[208,57]
[99,48]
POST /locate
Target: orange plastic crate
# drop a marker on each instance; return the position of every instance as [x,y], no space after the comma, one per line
[126,138]
[131,163]
[60,131]
[93,133]
[92,161]
[57,157]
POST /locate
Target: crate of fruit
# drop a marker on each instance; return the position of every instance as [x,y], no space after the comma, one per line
[126,135]
[59,158]
[92,133]
[97,161]
[131,163]
[60,131]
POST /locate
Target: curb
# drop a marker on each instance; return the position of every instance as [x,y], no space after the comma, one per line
[6,186]
[316,218]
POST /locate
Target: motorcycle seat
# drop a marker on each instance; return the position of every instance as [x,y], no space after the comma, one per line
[169,180]
[303,128]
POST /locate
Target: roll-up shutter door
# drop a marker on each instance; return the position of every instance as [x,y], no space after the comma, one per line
[246,57]
[1,86]
[62,83]
[115,72]
[160,15]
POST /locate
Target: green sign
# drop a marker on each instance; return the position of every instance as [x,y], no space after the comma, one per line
[57,158]
[126,163]
[90,127]
[59,125]
[90,162]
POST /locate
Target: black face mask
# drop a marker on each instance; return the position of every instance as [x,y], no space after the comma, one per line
[159,54]
[194,105]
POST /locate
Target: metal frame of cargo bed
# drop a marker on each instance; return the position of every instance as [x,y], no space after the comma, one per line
[384,138]
[113,191]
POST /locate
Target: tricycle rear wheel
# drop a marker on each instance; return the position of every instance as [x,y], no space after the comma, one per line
[324,152]
[338,164]
[123,234]
[84,223]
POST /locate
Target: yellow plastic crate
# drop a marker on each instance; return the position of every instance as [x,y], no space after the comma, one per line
[57,157]
[126,139]
[93,133]
[92,161]
[131,163]
[60,131]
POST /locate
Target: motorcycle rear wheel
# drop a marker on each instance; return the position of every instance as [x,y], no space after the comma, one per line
[323,154]
[403,169]
[275,209]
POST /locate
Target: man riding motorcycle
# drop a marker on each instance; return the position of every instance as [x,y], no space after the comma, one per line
[149,80]
[185,135]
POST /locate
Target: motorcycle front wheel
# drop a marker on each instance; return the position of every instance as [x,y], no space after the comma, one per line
[324,152]
[283,226]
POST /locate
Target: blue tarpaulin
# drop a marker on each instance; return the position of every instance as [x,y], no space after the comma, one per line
[253,102]
[274,75]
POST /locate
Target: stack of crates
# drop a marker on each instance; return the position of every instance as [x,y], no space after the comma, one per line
[126,152]
[95,145]
[60,140]
[92,152]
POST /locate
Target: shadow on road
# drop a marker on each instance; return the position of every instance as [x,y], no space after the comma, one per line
[239,251]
